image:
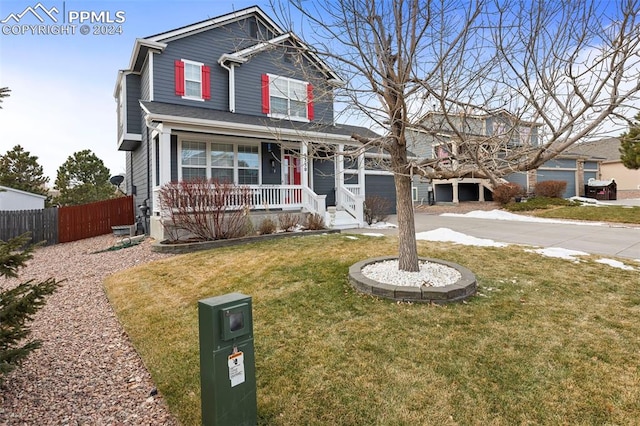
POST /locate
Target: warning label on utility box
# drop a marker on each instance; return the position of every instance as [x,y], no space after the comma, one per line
[236,368]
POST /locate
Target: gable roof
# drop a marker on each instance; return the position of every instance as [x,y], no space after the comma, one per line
[18,191]
[158,42]
[606,149]
[208,24]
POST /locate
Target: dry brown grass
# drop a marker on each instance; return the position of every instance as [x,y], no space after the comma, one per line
[546,341]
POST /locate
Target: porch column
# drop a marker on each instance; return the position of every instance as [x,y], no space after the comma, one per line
[164,166]
[340,174]
[481,191]
[361,173]
[455,191]
[304,175]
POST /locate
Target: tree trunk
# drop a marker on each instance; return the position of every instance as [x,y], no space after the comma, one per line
[407,247]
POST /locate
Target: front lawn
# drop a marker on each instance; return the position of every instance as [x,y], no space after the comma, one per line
[546,341]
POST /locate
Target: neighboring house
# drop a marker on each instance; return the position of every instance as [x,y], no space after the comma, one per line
[436,139]
[231,98]
[15,199]
[575,169]
[611,167]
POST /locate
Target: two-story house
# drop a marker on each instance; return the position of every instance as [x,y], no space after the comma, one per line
[237,99]
[494,135]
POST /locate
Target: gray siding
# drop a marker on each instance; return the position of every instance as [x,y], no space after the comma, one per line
[145,90]
[133,107]
[423,190]
[174,158]
[324,181]
[381,186]
[140,171]
[271,175]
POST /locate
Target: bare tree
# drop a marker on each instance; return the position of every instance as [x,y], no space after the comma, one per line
[561,69]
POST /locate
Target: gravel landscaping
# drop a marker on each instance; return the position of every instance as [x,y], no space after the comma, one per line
[86,372]
[430,275]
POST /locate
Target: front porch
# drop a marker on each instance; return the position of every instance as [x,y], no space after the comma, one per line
[348,212]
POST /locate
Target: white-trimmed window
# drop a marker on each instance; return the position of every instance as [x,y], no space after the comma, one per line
[194,160]
[222,161]
[192,80]
[284,97]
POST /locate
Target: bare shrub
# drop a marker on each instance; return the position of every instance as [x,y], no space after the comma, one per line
[376,209]
[314,222]
[550,188]
[505,193]
[207,210]
[288,221]
[267,226]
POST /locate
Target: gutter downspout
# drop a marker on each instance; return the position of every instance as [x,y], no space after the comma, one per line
[233,61]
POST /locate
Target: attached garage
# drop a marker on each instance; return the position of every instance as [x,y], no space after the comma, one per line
[383,186]
[568,176]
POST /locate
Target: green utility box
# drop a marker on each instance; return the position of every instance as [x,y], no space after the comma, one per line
[227,361]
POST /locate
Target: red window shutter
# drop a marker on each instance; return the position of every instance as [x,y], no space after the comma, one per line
[206,82]
[179,76]
[265,94]
[310,102]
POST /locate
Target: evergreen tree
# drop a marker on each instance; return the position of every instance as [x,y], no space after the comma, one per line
[4,93]
[18,305]
[82,179]
[20,170]
[630,145]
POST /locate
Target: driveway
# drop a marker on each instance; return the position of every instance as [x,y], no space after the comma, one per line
[604,239]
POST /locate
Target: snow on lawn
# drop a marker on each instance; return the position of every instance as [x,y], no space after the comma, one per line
[446,234]
[560,252]
[616,264]
[503,215]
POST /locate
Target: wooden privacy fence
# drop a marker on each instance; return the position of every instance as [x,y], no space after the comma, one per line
[64,224]
[42,224]
[91,220]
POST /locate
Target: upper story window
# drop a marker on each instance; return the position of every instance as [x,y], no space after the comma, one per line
[192,80]
[284,97]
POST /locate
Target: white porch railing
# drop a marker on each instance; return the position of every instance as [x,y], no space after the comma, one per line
[355,189]
[351,203]
[263,197]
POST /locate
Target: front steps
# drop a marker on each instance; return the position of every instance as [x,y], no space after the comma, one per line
[340,219]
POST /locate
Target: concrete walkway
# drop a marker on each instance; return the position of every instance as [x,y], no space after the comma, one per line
[606,240]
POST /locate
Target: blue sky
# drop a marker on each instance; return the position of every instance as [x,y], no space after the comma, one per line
[62,85]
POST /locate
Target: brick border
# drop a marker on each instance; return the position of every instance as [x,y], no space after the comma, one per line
[460,290]
[181,248]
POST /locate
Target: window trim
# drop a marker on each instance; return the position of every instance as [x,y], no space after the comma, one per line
[307,101]
[208,166]
[199,65]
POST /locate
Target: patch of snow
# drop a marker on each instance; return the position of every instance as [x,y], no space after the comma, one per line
[616,264]
[448,235]
[382,225]
[559,252]
[372,234]
[503,215]
[351,237]
[431,274]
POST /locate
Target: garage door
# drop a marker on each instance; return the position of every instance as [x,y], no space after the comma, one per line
[568,176]
[382,186]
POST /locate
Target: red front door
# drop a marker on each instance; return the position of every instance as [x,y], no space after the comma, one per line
[291,170]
